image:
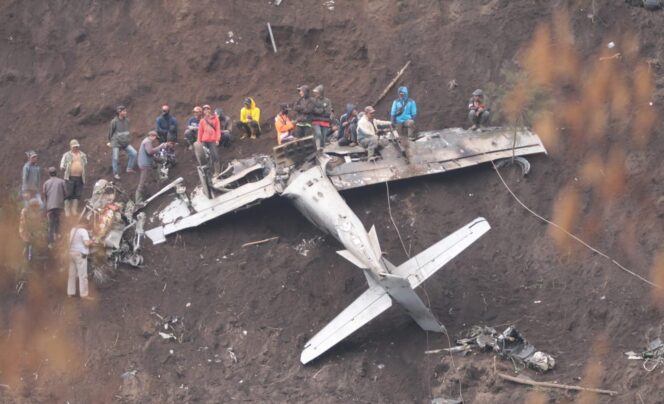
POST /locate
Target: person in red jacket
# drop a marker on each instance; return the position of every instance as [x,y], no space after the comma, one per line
[209,134]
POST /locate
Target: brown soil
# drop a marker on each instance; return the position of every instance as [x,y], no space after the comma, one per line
[65,65]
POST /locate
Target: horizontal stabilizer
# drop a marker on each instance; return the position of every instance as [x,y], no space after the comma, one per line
[426,263]
[364,309]
[352,258]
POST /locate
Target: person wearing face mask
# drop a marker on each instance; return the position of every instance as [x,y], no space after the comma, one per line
[167,126]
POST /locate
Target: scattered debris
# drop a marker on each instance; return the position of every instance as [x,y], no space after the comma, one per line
[258,242]
[509,344]
[269,30]
[392,83]
[616,55]
[452,84]
[232,354]
[167,336]
[652,357]
[329,4]
[529,382]
[305,246]
[443,400]
[277,2]
[611,45]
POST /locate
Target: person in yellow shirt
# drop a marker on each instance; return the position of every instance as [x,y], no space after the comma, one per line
[250,117]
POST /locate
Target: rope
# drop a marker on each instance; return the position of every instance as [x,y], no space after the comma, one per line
[428,305]
[389,209]
[579,240]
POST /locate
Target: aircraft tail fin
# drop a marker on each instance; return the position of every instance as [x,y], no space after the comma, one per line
[402,292]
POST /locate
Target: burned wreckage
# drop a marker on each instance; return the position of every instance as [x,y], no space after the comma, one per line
[312,181]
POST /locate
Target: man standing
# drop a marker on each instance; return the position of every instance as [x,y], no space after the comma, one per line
[321,121]
[368,130]
[31,179]
[54,190]
[250,117]
[79,243]
[403,112]
[167,126]
[226,127]
[73,163]
[209,134]
[146,163]
[191,133]
[120,139]
[304,107]
[478,110]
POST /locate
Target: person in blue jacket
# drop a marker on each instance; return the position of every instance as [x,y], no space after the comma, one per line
[167,126]
[404,111]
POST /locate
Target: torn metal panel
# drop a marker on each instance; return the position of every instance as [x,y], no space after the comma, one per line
[253,181]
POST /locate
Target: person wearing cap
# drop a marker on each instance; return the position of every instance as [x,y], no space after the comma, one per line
[146,161]
[166,126]
[321,122]
[31,228]
[304,107]
[368,131]
[250,117]
[283,125]
[403,113]
[478,110]
[226,127]
[348,126]
[31,179]
[191,133]
[120,139]
[209,134]
[55,190]
[79,249]
[73,163]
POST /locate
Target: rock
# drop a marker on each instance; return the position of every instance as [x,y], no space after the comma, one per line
[75,110]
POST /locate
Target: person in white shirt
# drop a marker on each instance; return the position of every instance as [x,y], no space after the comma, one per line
[368,131]
[79,243]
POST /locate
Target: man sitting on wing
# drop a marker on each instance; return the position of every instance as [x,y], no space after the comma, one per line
[368,130]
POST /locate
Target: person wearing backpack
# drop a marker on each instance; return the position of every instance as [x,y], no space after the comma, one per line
[120,139]
[404,112]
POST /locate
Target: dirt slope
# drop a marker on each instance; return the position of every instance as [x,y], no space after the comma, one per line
[245,313]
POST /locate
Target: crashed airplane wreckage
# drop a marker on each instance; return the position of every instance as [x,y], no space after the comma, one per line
[312,181]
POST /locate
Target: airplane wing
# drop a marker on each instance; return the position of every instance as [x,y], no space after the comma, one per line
[365,308]
[426,263]
[249,184]
[434,152]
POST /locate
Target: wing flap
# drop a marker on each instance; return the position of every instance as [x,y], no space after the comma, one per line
[363,309]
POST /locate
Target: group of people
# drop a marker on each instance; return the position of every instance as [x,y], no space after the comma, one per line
[314,115]
[50,200]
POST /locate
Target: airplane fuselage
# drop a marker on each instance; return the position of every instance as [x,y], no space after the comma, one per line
[318,200]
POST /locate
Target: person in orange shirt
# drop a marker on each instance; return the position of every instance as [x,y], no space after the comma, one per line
[284,126]
[209,134]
